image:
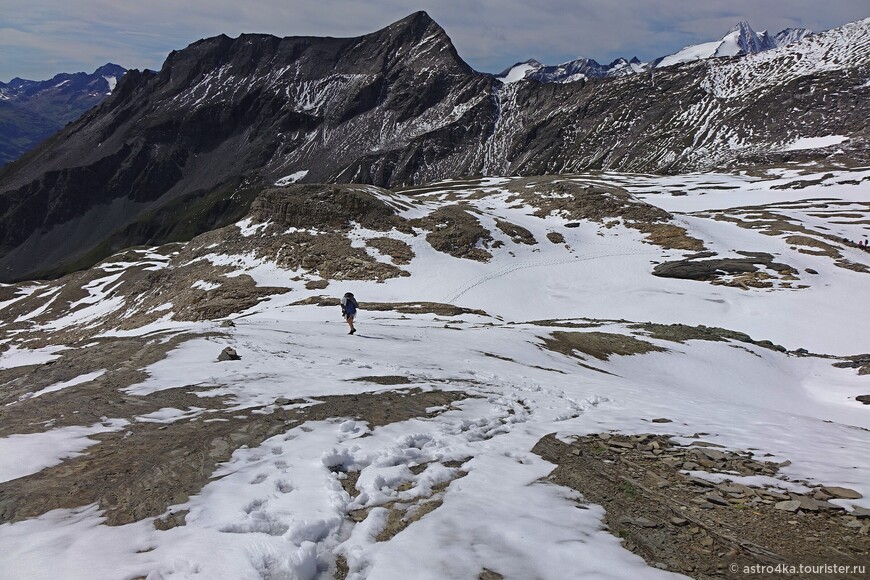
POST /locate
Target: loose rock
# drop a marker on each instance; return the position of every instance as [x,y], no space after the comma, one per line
[228,354]
[791,505]
[842,492]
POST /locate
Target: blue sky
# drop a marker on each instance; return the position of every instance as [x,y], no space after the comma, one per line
[39,38]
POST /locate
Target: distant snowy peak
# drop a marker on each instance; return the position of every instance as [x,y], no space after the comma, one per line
[39,108]
[101,82]
[567,72]
[520,71]
[741,39]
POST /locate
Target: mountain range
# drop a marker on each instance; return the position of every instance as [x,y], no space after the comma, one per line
[740,40]
[31,111]
[176,152]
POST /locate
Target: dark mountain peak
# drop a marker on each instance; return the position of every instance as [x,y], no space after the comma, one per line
[414,29]
[110,70]
[416,41]
[417,20]
[634,60]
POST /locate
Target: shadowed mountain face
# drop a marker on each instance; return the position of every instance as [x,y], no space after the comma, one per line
[175,153]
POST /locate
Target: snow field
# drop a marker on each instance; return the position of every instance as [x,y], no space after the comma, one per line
[279,510]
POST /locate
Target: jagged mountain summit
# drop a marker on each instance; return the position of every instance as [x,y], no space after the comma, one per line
[740,40]
[180,151]
[30,111]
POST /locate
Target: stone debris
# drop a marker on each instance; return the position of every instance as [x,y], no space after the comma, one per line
[841,492]
[658,499]
[789,505]
[228,354]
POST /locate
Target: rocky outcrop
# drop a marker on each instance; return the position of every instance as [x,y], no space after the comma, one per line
[455,231]
[715,268]
[325,206]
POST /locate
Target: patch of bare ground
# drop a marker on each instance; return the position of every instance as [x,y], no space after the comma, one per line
[604,205]
[517,234]
[565,323]
[316,284]
[681,333]
[385,380]
[438,308]
[197,291]
[143,297]
[859,361]
[87,403]
[399,251]
[670,237]
[802,238]
[455,231]
[326,206]
[329,255]
[599,345]
[685,524]
[556,237]
[139,472]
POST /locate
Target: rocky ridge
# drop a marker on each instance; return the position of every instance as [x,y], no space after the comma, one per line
[175,153]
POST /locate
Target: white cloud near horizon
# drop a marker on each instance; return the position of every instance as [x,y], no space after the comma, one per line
[38,40]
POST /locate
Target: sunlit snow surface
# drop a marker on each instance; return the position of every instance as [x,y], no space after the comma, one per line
[279,511]
[815,142]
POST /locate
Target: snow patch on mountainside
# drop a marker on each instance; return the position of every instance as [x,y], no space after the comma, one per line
[292,178]
[519,72]
[691,53]
[815,142]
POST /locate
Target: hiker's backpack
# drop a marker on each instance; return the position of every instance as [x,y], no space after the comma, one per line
[348,304]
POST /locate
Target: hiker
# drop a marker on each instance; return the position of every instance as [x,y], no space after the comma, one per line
[348,309]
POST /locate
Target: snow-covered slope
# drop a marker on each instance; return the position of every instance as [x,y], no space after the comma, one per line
[814,54]
[568,72]
[740,40]
[502,309]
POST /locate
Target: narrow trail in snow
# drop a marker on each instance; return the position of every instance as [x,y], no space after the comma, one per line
[457,294]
